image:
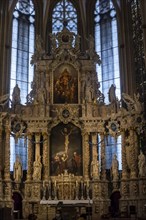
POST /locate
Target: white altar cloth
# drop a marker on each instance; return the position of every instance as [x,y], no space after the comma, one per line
[66,202]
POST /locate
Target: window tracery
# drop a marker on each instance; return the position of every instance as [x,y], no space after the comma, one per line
[23,33]
[106,45]
[64,15]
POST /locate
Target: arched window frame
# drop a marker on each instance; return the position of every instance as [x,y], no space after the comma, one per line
[107,46]
[49,22]
[20,148]
[91,30]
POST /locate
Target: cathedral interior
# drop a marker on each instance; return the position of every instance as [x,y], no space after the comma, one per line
[72,109]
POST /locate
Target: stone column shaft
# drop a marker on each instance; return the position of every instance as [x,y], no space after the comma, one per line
[94,146]
[37,146]
[0,150]
[46,156]
[30,158]
[86,156]
[133,158]
[7,155]
[103,157]
[124,161]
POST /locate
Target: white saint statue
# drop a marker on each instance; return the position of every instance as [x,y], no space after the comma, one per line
[18,172]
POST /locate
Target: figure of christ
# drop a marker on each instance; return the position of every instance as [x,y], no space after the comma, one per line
[66,134]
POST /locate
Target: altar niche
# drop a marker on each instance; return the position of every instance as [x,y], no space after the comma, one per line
[66,150]
[65,85]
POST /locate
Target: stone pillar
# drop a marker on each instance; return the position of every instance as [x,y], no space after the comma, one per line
[46,156]
[94,146]
[104,181]
[1,184]
[124,188]
[124,161]
[7,154]
[86,156]
[30,158]
[0,150]
[103,158]
[37,146]
[8,187]
[133,158]
[95,171]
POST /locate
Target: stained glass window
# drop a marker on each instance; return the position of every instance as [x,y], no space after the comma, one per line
[21,70]
[106,45]
[22,47]
[64,14]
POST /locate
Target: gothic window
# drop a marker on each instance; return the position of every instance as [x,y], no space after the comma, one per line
[22,47]
[21,71]
[106,45]
[64,14]
[113,147]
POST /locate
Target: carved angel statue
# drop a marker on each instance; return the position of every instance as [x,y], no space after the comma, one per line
[133,104]
[17,170]
[142,164]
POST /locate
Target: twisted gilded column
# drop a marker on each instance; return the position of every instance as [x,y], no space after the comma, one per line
[30,158]
[46,156]
[86,156]
[103,157]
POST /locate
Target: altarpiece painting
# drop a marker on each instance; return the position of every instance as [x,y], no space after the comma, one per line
[66,150]
[65,85]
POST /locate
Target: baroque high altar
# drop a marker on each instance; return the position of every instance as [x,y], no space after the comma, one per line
[64,121]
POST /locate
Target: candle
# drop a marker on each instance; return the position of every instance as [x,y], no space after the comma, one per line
[55,183]
[43,183]
[76,183]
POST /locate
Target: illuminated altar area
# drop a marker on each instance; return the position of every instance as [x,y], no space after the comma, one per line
[64,121]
